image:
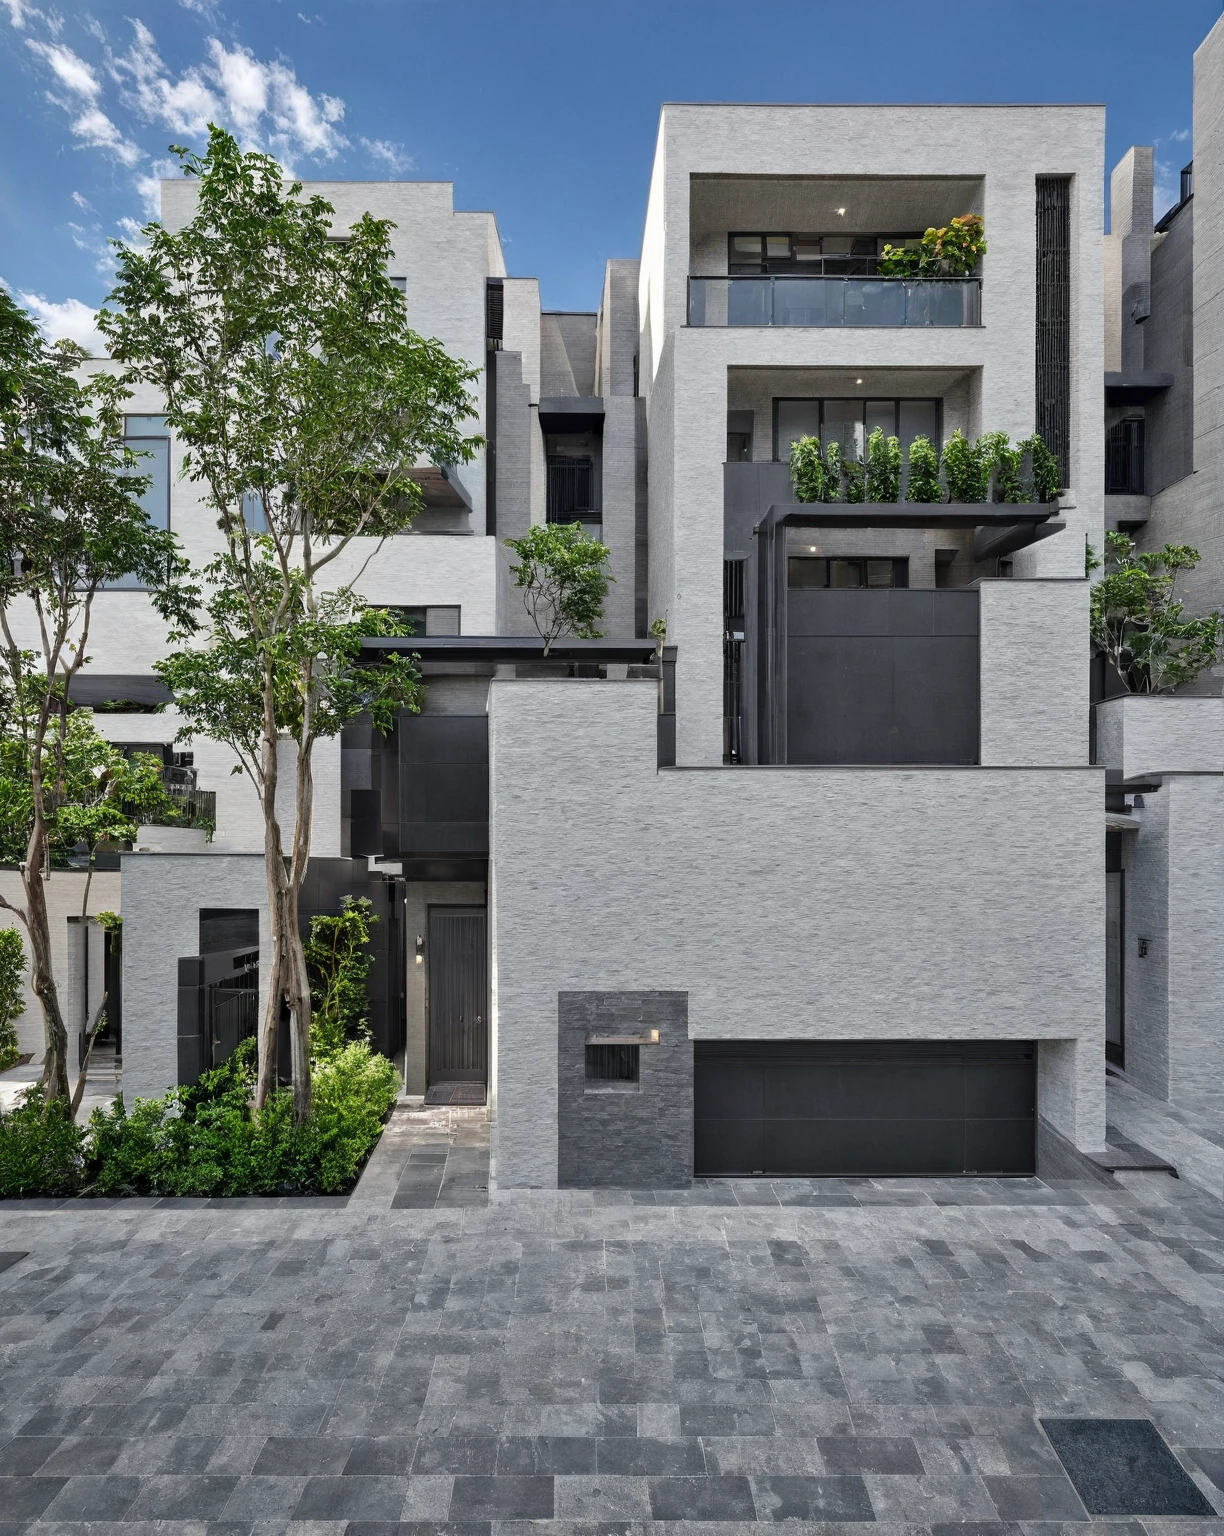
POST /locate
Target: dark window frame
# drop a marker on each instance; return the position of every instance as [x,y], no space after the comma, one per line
[897,402]
[899,563]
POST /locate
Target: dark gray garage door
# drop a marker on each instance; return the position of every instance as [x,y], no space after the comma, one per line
[869,1109]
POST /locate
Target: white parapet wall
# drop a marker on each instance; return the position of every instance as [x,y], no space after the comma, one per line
[1146,734]
[789,903]
[1034,672]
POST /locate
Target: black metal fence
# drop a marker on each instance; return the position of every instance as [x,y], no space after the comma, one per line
[1124,470]
[1054,317]
[571,490]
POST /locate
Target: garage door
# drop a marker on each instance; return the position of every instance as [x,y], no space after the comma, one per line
[870,1109]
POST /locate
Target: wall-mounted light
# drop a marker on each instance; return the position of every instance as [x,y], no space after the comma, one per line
[858,381]
[654,1037]
[841,212]
[420,949]
[1143,947]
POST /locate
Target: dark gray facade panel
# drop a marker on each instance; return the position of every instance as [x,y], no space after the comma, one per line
[631,1136]
[443,785]
[889,676]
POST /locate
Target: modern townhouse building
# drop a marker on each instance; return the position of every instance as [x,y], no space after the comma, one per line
[1164,757]
[813,886]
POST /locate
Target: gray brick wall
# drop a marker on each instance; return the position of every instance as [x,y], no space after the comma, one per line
[636,1136]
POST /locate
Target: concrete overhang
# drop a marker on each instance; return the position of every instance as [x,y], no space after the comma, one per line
[906,514]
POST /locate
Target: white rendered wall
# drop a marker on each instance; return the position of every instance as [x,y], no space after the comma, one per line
[788,903]
[1144,735]
[1034,672]
[65,894]
[162,897]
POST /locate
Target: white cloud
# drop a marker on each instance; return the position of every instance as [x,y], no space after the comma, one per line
[185,105]
[148,186]
[68,321]
[393,156]
[18,10]
[82,203]
[96,131]
[270,107]
[72,72]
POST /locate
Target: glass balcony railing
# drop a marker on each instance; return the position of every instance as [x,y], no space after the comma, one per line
[835,301]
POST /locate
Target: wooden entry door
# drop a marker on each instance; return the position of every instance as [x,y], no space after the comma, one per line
[458,996]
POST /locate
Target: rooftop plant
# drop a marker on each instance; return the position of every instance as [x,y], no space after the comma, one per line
[1139,624]
[991,469]
[951,251]
[563,575]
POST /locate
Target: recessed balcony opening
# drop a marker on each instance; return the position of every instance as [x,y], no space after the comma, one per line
[807,251]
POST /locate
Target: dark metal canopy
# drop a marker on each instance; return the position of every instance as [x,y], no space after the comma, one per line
[1135,388]
[571,413]
[906,514]
[496,648]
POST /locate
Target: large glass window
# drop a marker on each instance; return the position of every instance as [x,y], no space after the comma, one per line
[805,573]
[150,437]
[838,255]
[850,423]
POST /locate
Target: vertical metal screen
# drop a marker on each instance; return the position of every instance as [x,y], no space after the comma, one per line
[1053,413]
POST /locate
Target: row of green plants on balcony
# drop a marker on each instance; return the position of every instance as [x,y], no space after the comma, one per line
[210,1139]
[951,251]
[991,469]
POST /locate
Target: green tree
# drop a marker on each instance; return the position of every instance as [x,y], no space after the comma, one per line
[1139,624]
[564,579]
[70,522]
[338,959]
[304,401]
[12,994]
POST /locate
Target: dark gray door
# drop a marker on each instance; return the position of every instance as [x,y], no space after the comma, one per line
[458,996]
[1115,993]
[866,1109]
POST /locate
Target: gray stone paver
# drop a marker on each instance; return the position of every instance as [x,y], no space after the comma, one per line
[809,1353]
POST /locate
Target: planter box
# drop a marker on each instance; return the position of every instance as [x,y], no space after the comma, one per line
[1144,734]
[150,839]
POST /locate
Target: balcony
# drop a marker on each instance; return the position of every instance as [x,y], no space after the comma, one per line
[942,302]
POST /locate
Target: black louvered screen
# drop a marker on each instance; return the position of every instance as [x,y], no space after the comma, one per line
[1054,317]
[733,654]
[495,311]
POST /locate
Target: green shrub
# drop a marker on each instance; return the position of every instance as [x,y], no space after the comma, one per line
[338,961]
[12,994]
[966,471]
[855,474]
[883,467]
[923,481]
[208,1140]
[40,1148]
[817,476]
[1047,476]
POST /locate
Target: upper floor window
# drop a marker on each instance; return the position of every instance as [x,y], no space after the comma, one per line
[851,422]
[810,255]
[148,436]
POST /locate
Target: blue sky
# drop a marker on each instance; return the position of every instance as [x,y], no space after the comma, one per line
[541,110]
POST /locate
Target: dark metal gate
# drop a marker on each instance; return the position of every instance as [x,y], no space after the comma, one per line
[458,996]
[218,1006]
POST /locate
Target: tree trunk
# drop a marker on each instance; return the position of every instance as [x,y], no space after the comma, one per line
[274,869]
[298,982]
[42,979]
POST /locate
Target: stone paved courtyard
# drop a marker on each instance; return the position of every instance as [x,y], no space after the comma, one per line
[803,1352]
